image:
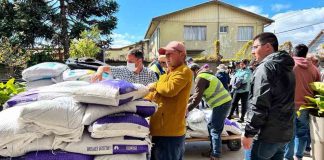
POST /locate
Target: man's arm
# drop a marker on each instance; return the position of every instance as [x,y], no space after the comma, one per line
[170,87]
[200,87]
[260,102]
[100,71]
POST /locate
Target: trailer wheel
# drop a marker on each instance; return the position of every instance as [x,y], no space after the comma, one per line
[234,145]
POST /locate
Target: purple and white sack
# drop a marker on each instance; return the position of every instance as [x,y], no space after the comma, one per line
[233,127]
[63,89]
[56,155]
[142,107]
[120,124]
[117,145]
[110,92]
[44,70]
[141,156]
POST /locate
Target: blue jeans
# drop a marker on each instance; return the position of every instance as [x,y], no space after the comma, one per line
[267,151]
[301,136]
[167,148]
[216,126]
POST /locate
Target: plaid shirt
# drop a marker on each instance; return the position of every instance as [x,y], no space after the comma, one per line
[145,77]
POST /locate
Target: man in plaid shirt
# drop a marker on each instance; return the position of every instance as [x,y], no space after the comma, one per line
[134,72]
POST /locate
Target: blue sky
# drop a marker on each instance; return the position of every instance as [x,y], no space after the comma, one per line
[134,17]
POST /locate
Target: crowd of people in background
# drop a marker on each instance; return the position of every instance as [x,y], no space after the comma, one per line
[270,88]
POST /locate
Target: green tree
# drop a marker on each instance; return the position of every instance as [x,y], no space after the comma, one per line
[13,55]
[72,17]
[86,46]
[56,21]
[25,21]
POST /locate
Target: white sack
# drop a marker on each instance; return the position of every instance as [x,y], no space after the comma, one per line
[141,156]
[61,112]
[81,75]
[141,107]
[232,127]
[13,133]
[39,144]
[43,71]
[195,116]
[120,124]
[110,92]
[119,145]
[61,116]
[39,83]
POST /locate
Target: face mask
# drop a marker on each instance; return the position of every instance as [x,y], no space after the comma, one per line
[131,66]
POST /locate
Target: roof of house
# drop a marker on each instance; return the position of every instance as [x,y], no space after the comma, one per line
[316,38]
[155,19]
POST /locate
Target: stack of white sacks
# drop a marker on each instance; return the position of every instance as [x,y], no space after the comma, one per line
[197,121]
[47,73]
[79,120]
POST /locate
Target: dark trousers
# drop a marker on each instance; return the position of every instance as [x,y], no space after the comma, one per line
[244,101]
[167,148]
[267,151]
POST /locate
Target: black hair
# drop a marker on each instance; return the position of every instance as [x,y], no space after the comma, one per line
[300,50]
[245,61]
[137,53]
[268,37]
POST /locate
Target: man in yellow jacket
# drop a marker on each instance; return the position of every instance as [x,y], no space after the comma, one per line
[171,93]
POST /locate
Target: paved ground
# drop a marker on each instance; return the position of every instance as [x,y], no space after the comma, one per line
[194,149]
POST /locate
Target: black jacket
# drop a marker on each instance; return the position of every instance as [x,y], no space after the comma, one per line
[272,99]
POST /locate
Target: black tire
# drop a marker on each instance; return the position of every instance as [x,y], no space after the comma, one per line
[234,145]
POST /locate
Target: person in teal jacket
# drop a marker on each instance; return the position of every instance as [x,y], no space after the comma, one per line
[240,89]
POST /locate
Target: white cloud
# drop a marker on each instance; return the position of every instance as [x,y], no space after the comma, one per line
[121,40]
[295,19]
[254,9]
[278,7]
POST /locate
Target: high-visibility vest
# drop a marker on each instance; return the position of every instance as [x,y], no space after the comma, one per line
[215,95]
[157,69]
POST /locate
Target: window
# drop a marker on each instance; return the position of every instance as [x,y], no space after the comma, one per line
[195,33]
[245,33]
[223,29]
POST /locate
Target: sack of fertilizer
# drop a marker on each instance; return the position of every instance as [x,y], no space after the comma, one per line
[116,145]
[39,83]
[142,107]
[110,92]
[63,112]
[82,75]
[60,116]
[63,89]
[120,124]
[44,70]
[232,127]
[141,156]
[56,155]
[14,134]
[196,116]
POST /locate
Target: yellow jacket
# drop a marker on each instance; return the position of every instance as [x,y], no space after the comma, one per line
[172,95]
